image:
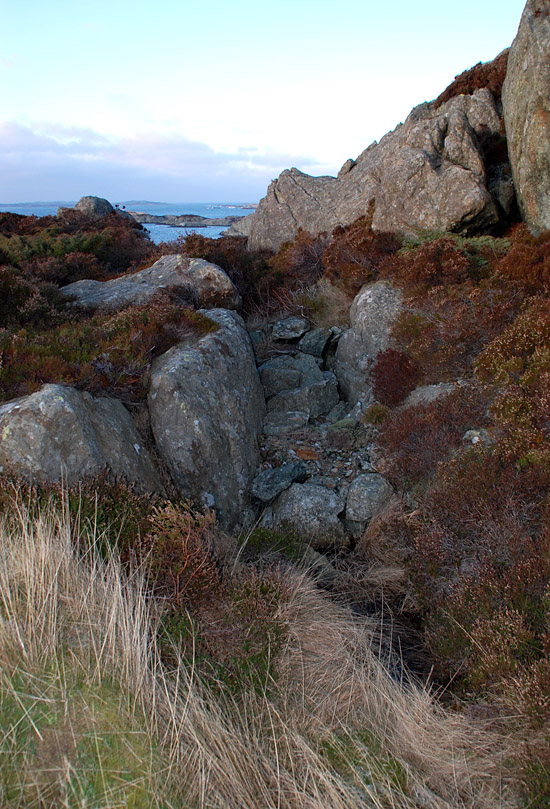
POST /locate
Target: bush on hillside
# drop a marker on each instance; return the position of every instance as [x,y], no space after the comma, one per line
[484,74]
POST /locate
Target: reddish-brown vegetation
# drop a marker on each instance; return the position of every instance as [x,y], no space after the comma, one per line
[484,74]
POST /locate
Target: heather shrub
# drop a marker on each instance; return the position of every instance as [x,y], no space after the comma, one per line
[102,353]
[487,74]
[526,265]
[116,243]
[24,302]
[414,440]
[518,361]
[178,551]
[300,261]
[354,253]
[394,375]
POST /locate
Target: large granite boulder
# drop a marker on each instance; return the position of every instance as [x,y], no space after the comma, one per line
[428,173]
[372,315]
[526,105]
[207,407]
[59,433]
[207,285]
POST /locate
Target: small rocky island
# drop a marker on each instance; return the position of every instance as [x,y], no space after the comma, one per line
[186,220]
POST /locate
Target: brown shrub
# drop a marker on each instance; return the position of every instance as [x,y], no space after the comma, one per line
[178,551]
[416,439]
[102,353]
[395,375]
[484,74]
[355,252]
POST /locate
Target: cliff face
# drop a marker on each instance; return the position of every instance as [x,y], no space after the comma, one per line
[526,103]
[429,173]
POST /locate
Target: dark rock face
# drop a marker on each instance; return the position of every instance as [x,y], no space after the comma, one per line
[526,105]
[208,284]
[61,433]
[207,407]
[428,173]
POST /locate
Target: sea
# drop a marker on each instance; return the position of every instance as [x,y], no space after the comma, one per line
[158,233]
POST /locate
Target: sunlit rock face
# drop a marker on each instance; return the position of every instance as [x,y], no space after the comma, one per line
[428,173]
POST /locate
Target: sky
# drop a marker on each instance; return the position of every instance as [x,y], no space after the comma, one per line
[209,100]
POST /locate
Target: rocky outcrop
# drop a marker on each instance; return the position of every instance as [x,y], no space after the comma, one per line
[428,173]
[526,105]
[207,284]
[186,220]
[207,407]
[241,227]
[372,315]
[59,433]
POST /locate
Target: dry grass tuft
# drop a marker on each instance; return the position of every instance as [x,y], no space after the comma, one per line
[91,717]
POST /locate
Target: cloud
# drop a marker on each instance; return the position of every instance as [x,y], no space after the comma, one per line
[51,161]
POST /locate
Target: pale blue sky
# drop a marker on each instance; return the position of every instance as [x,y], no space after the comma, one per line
[187,101]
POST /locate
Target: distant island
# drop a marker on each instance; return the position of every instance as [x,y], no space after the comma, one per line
[183,221]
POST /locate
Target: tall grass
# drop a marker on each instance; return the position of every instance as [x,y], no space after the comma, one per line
[91,717]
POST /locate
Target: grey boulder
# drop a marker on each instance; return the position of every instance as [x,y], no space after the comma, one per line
[207,407]
[311,512]
[59,433]
[207,284]
[366,495]
[372,316]
[271,482]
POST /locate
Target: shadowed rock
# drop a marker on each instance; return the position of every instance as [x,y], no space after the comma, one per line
[526,105]
[372,315]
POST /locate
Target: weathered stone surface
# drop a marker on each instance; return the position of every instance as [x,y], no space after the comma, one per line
[526,105]
[290,328]
[271,482]
[61,433]
[427,173]
[314,342]
[94,207]
[366,495]
[281,422]
[429,393]
[316,398]
[207,407]
[311,512]
[372,315]
[241,227]
[207,284]
[289,371]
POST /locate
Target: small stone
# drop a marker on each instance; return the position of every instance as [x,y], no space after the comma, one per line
[314,342]
[278,423]
[271,482]
[290,328]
